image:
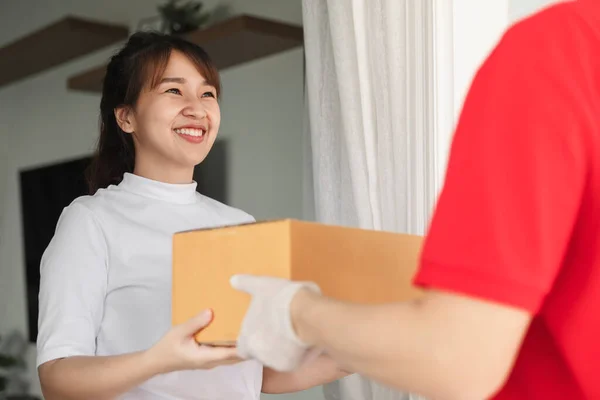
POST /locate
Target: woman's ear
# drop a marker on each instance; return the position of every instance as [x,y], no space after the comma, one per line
[124,119]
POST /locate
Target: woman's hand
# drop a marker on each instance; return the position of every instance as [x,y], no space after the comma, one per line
[178,349]
[317,368]
[107,377]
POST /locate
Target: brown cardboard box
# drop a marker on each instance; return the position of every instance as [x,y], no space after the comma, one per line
[355,265]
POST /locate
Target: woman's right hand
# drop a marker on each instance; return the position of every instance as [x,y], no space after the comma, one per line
[178,349]
[107,377]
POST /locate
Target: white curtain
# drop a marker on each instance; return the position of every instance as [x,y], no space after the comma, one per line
[370,115]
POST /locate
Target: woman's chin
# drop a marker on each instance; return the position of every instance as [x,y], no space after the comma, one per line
[192,161]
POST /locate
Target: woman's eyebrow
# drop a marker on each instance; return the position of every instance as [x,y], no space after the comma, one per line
[180,80]
[172,80]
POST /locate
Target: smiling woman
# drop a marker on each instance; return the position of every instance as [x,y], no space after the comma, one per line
[157,89]
[105,278]
[181,105]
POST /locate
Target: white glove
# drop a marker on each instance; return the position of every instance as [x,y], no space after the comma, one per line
[267,334]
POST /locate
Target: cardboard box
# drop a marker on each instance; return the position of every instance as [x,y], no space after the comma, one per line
[356,265]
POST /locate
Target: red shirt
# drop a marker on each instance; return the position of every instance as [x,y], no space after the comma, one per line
[518,220]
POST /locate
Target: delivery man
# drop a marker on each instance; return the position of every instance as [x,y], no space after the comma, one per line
[512,257]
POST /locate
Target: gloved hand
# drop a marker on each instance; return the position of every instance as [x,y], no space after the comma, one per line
[267,334]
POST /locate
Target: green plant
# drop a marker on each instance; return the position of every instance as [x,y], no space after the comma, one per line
[182,18]
[5,363]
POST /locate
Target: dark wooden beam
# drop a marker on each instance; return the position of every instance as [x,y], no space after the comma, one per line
[230,43]
[55,44]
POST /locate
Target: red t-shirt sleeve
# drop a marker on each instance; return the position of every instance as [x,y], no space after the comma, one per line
[515,179]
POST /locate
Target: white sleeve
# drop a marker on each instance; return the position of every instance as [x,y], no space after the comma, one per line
[73,278]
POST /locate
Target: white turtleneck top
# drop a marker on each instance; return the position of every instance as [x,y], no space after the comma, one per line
[105,284]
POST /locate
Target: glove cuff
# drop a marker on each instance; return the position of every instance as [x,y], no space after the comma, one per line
[293,289]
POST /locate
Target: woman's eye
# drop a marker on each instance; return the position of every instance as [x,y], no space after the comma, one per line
[174,91]
[209,94]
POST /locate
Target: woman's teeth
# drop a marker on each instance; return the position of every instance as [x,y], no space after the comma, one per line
[190,131]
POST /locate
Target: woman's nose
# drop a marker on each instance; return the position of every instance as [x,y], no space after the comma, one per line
[194,110]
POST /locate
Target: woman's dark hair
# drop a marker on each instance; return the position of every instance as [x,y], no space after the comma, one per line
[139,65]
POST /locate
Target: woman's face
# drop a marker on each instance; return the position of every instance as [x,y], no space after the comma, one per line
[175,124]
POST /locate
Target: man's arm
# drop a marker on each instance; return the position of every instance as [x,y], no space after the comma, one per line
[442,346]
[320,371]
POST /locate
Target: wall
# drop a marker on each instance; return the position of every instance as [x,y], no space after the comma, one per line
[41,122]
[477,26]
[518,9]
[464,32]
